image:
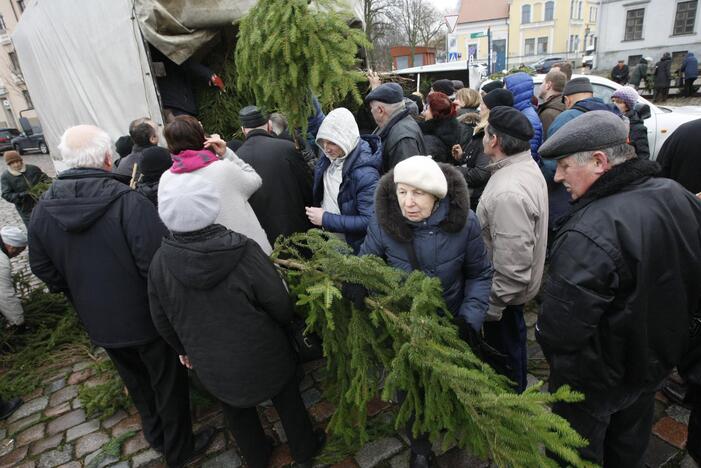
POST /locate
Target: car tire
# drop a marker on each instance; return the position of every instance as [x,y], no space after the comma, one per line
[43,148]
[19,149]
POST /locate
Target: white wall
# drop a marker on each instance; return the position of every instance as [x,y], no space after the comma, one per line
[658,26]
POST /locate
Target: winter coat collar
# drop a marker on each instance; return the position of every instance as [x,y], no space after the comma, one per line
[451,215]
[509,160]
[192,160]
[209,232]
[258,133]
[393,121]
[17,173]
[553,102]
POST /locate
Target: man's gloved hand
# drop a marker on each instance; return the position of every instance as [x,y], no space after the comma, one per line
[356,293]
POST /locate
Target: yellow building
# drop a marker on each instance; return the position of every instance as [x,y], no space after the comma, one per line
[551,28]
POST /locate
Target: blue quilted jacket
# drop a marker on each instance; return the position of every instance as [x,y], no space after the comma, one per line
[521,86]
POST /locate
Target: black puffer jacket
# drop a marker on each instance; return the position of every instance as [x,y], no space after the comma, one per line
[93,238]
[663,72]
[638,135]
[440,135]
[216,297]
[149,190]
[623,282]
[15,188]
[474,167]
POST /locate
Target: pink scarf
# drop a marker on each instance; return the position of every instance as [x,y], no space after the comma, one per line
[192,160]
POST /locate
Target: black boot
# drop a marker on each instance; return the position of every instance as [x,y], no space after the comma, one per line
[320,442]
[9,407]
[202,440]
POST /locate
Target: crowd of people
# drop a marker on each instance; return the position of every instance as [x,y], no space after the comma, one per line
[164,252]
[660,77]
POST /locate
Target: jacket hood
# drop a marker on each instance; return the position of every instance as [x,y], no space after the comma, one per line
[595,103]
[203,259]
[521,86]
[368,152]
[451,215]
[78,198]
[339,127]
[446,130]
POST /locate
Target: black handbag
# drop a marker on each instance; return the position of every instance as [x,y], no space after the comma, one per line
[308,346]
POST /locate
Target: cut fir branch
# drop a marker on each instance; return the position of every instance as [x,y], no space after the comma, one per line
[448,392]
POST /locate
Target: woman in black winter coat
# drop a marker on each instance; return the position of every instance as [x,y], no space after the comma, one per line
[663,75]
[440,128]
[216,298]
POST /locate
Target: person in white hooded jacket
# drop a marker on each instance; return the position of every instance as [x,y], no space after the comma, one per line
[345,178]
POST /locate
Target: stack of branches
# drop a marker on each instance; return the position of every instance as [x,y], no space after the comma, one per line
[406,343]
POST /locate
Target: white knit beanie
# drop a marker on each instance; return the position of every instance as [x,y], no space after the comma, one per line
[14,236]
[187,202]
[339,127]
[423,173]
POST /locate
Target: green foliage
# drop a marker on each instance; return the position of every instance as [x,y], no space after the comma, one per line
[521,68]
[52,338]
[106,397]
[113,448]
[337,448]
[38,190]
[288,50]
[453,396]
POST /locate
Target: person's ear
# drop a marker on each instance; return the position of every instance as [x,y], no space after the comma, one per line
[107,161]
[601,162]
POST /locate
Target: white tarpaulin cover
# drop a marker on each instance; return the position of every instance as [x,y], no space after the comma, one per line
[84,63]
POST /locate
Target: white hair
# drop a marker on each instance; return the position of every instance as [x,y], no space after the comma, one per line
[394,108]
[616,154]
[85,146]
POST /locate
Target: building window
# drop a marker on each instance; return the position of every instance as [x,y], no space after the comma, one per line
[542,45]
[634,24]
[573,45]
[529,46]
[14,61]
[592,14]
[525,14]
[472,51]
[685,18]
[403,62]
[28,99]
[549,11]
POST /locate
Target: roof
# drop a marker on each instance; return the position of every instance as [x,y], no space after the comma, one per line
[472,11]
[436,67]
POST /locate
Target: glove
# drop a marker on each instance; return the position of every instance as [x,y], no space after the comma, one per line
[356,294]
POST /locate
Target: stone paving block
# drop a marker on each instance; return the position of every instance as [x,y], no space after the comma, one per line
[56,457]
[688,462]
[678,413]
[55,386]
[79,377]
[124,464]
[671,431]
[313,365]
[271,414]
[322,411]
[310,397]
[114,419]
[531,380]
[401,460]
[306,382]
[57,410]
[73,464]
[228,459]
[30,435]
[132,423]
[27,464]
[63,395]
[658,452]
[377,451]
[280,431]
[281,457]
[63,372]
[100,458]
[376,406]
[81,365]
[13,458]
[320,374]
[144,458]
[460,458]
[6,446]
[66,421]
[346,463]
[76,403]
[45,444]
[89,443]
[134,445]
[83,429]
[17,426]
[36,393]
[29,408]
[218,444]
[3,433]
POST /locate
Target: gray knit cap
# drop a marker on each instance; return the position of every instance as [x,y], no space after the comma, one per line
[590,131]
[578,85]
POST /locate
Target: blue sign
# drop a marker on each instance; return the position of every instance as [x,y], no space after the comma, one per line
[453,56]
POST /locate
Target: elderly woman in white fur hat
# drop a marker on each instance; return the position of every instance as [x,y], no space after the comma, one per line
[345,177]
[423,222]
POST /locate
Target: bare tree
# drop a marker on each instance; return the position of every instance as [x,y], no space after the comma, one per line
[376,25]
[416,22]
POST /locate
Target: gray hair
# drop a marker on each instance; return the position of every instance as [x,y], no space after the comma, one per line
[278,122]
[85,146]
[509,145]
[615,154]
[393,108]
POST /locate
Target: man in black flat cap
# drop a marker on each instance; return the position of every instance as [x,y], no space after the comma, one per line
[400,134]
[287,186]
[444,86]
[513,213]
[621,300]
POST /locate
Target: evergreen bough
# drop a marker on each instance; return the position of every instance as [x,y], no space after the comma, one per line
[403,342]
[289,49]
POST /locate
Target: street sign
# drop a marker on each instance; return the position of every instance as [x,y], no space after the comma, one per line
[477,34]
[451,21]
[453,56]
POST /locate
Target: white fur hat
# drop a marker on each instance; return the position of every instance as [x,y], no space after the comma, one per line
[423,173]
[339,127]
[14,236]
[187,202]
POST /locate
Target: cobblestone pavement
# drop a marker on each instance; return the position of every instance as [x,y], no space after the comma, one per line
[51,429]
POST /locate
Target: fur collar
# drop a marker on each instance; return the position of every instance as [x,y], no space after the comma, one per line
[619,177]
[390,218]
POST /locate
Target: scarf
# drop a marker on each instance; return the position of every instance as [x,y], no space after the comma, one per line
[192,160]
[17,173]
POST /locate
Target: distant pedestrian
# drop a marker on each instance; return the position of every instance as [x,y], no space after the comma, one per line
[663,76]
[619,73]
[690,70]
[639,73]
[144,134]
[13,241]
[18,180]
[156,160]
[625,99]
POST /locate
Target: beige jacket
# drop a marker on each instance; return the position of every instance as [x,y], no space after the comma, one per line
[513,212]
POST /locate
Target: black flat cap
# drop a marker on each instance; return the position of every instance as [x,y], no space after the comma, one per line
[590,131]
[498,97]
[578,85]
[252,117]
[492,85]
[443,86]
[458,84]
[154,162]
[390,93]
[511,121]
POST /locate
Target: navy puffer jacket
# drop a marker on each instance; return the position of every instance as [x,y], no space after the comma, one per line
[521,86]
[448,245]
[361,171]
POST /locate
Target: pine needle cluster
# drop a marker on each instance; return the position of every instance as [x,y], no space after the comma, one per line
[288,50]
[401,344]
